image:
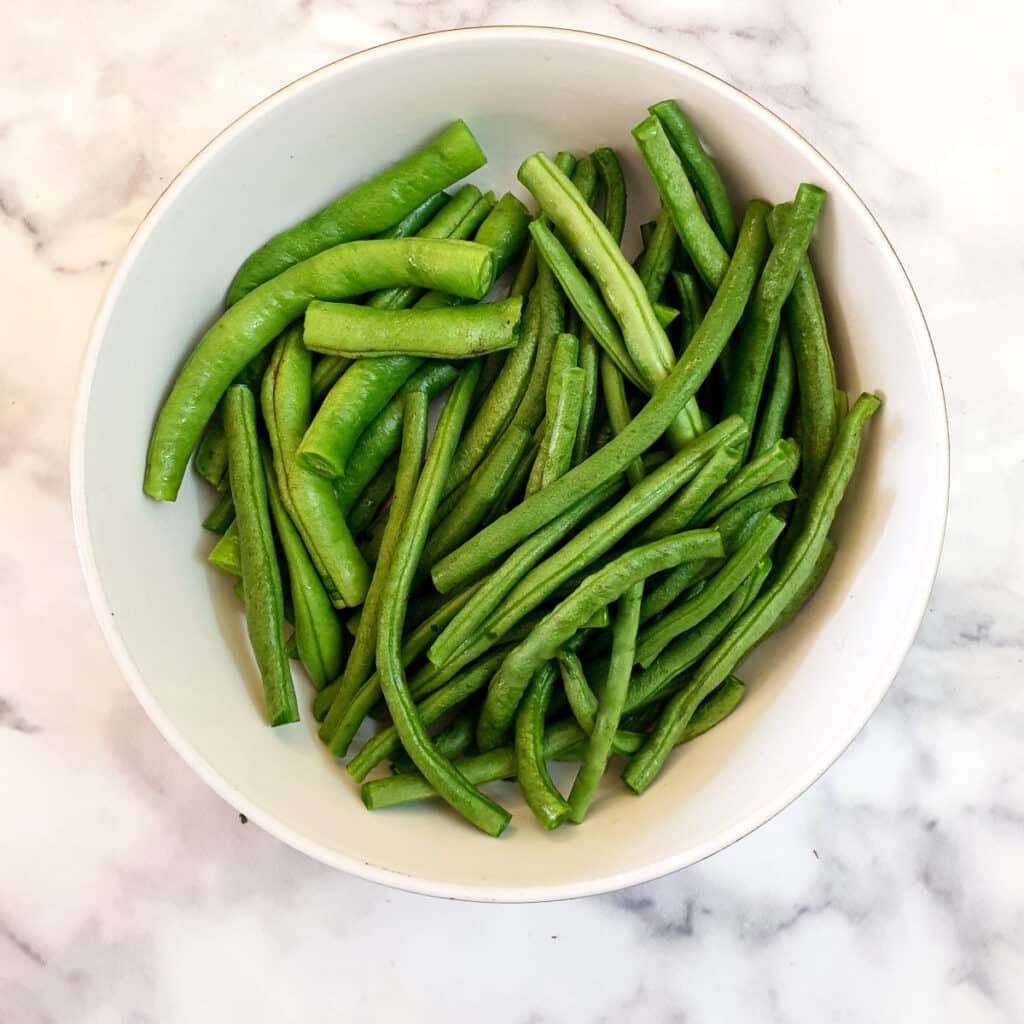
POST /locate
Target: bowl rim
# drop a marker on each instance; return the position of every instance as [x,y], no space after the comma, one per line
[936,413]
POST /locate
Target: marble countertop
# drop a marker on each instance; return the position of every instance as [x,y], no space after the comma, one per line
[892,891]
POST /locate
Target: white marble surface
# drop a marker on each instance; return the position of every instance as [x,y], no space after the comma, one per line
[892,891]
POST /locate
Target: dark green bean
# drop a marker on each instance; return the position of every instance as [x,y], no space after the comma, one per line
[374,497]
[761,324]
[544,640]
[613,389]
[221,516]
[462,268]
[776,465]
[797,568]
[261,578]
[656,637]
[548,805]
[447,780]
[319,641]
[369,208]
[708,255]
[775,407]
[645,429]
[452,741]
[658,256]
[691,306]
[416,219]
[803,595]
[609,711]
[610,171]
[700,169]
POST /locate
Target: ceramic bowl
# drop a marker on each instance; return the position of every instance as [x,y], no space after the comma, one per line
[173,623]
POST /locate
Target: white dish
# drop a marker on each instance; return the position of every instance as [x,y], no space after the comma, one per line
[174,625]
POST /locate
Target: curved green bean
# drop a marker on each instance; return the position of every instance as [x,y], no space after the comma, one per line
[548,805]
[369,208]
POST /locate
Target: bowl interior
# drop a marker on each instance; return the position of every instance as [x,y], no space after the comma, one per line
[175,624]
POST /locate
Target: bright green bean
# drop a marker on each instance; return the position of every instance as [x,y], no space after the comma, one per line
[261,578]
[776,465]
[548,805]
[369,208]
[645,429]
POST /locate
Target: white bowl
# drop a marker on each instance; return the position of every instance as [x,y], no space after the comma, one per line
[174,625]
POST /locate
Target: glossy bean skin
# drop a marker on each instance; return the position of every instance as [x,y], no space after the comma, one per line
[542,797]
[647,426]
[613,701]
[249,326]
[460,332]
[760,326]
[798,567]
[319,638]
[461,795]
[285,398]
[261,578]
[700,169]
[368,209]
[738,566]
[544,640]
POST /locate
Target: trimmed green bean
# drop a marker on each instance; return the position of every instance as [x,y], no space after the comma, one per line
[222,515]
[757,336]
[369,208]
[548,805]
[462,796]
[658,256]
[645,429]
[308,498]
[797,568]
[318,635]
[700,169]
[613,700]
[708,255]
[544,640]
[261,578]
[224,554]
[462,268]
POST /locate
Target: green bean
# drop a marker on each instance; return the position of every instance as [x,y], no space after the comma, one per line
[481,811]
[359,666]
[609,712]
[465,625]
[737,567]
[585,300]
[562,437]
[504,231]
[691,305]
[733,525]
[622,289]
[414,221]
[610,171]
[386,743]
[560,739]
[815,370]
[319,641]
[613,389]
[414,645]
[797,568]
[700,169]
[602,533]
[645,429]
[585,178]
[459,219]
[380,440]
[264,599]
[514,489]
[307,497]
[603,587]
[221,516]
[225,553]
[581,698]
[461,332]
[775,408]
[548,805]
[658,255]
[368,209]
[564,357]
[589,363]
[483,490]
[708,255]
[463,268]
[327,370]
[761,324]
[776,465]
[656,680]
[374,497]
[211,458]
[683,509]
[452,741]
[324,699]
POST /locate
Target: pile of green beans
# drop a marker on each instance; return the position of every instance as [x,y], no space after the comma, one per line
[632,482]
